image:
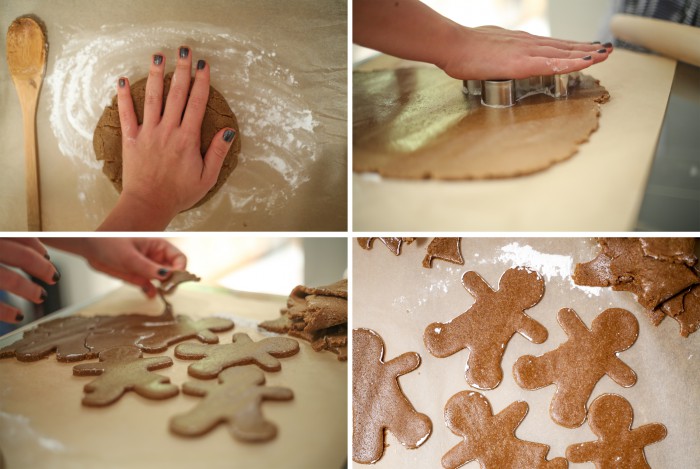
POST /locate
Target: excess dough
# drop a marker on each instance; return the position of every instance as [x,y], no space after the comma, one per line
[415,123]
[107,140]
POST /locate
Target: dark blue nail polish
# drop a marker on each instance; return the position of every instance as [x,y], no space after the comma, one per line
[43,295]
[200,64]
[157,59]
[608,45]
[19,317]
[56,276]
[122,83]
[162,272]
[184,52]
[47,257]
[602,51]
[595,42]
[228,135]
[588,57]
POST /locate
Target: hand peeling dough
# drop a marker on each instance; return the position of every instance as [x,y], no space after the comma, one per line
[107,140]
[415,123]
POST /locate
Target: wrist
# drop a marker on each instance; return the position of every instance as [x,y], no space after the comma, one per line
[135,213]
[458,39]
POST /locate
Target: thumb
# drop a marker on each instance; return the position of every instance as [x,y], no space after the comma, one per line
[216,153]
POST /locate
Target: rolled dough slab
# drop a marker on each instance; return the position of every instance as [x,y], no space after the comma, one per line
[415,123]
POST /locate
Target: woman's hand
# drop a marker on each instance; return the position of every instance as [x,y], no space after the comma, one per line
[30,256]
[163,171]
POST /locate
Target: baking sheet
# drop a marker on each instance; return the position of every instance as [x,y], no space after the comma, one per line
[598,189]
[43,424]
[282,67]
[398,298]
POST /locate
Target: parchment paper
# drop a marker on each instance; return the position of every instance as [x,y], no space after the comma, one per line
[600,189]
[43,424]
[280,65]
[398,298]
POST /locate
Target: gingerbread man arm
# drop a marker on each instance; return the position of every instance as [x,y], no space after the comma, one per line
[621,373]
[584,452]
[402,364]
[458,456]
[89,369]
[649,434]
[198,388]
[476,285]
[510,417]
[532,330]
[571,323]
[156,363]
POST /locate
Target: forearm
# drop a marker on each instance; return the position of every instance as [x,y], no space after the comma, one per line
[404,28]
[134,214]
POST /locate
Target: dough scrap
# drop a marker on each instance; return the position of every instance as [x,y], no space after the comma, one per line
[415,123]
[243,351]
[183,328]
[107,140]
[490,439]
[447,249]
[489,324]
[318,315]
[618,445]
[123,369]
[579,363]
[235,401]
[657,270]
[393,244]
[378,403]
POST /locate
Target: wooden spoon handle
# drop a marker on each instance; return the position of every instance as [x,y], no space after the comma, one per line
[28,99]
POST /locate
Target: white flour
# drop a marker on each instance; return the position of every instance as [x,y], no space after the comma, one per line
[277,126]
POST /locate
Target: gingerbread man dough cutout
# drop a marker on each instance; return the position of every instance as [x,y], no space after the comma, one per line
[182,329]
[618,445]
[234,400]
[378,404]
[489,324]
[123,369]
[242,351]
[490,439]
[579,363]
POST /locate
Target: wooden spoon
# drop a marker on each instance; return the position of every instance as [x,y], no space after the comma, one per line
[26,57]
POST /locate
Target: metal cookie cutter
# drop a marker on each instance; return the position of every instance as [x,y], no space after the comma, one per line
[505,93]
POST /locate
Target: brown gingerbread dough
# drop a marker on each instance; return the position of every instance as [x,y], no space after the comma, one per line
[123,369]
[490,439]
[235,401]
[243,351]
[378,403]
[579,363]
[415,123]
[446,249]
[618,445]
[489,324]
[107,140]
[392,244]
[318,315]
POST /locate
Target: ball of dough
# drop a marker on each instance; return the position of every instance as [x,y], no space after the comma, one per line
[107,140]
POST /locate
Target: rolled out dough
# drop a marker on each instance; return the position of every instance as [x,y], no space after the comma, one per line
[107,140]
[415,123]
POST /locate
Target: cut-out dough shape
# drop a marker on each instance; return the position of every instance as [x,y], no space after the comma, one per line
[393,244]
[234,400]
[447,249]
[618,445]
[184,328]
[489,324]
[243,351]
[579,363]
[378,404]
[490,439]
[123,369]
[684,308]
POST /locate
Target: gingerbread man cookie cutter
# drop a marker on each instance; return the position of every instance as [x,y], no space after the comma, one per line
[506,93]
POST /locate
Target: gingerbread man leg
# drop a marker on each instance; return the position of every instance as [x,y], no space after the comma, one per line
[484,367]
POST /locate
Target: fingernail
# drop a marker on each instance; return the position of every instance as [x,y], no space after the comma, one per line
[200,64]
[56,276]
[19,317]
[145,289]
[43,295]
[228,135]
[602,51]
[47,257]
[607,44]
[184,52]
[122,83]
[595,42]
[162,272]
[588,57]
[157,59]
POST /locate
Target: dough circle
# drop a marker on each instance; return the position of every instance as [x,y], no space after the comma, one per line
[107,140]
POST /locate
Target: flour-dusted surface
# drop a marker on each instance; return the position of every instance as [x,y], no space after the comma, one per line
[398,298]
[282,71]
